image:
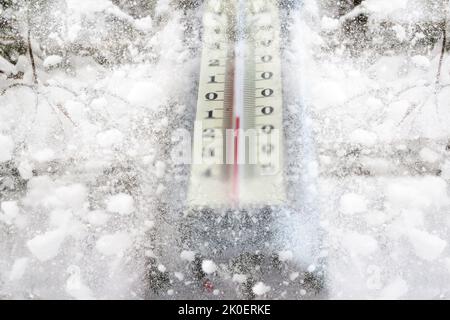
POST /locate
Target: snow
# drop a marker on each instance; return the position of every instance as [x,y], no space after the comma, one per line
[47,246]
[429,155]
[18,269]
[400,32]
[329,24]
[311,268]
[6,147]
[179,276]
[44,155]
[96,193]
[75,285]
[144,93]
[6,66]
[9,212]
[113,244]
[239,278]
[363,137]
[52,61]
[25,170]
[385,6]
[395,290]
[97,217]
[161,268]
[293,276]
[187,255]
[260,288]
[89,6]
[208,266]
[77,212]
[423,193]
[285,255]
[426,246]
[144,24]
[149,224]
[421,62]
[160,169]
[121,203]
[351,203]
[110,138]
[359,244]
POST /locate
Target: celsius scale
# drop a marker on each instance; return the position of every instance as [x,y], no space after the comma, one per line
[238,136]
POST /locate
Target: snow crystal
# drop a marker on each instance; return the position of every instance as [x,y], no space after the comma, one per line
[121,203]
[46,246]
[6,148]
[51,61]
[426,246]
[208,266]
[187,255]
[260,289]
[351,203]
[114,244]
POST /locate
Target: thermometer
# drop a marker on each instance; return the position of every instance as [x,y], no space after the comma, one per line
[238,133]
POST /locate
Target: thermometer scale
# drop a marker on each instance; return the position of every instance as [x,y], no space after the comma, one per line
[238,136]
